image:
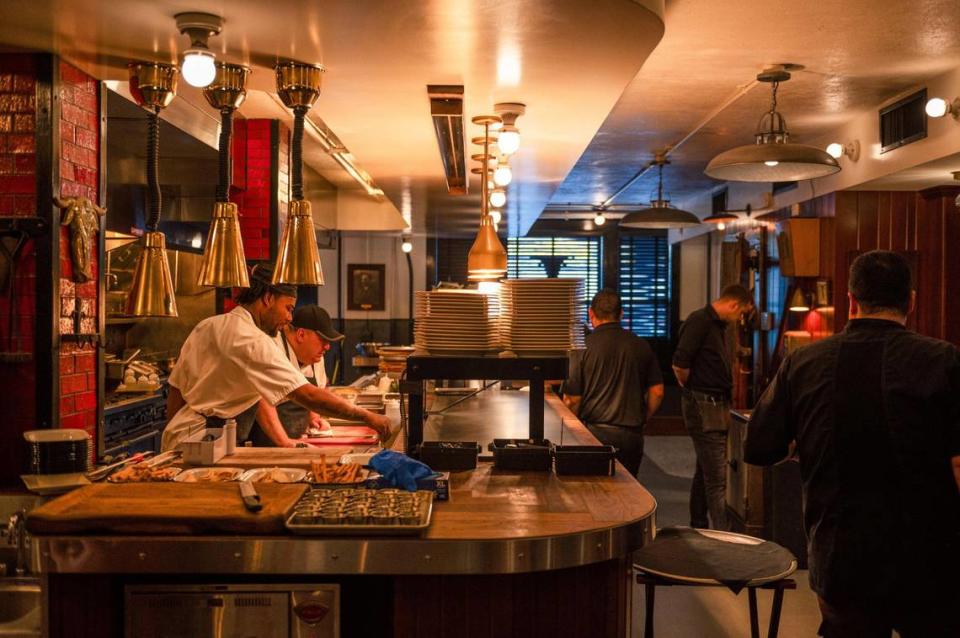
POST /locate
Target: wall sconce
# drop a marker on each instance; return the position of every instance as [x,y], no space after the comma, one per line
[406,245]
[600,219]
[823,293]
[939,107]
[837,150]
[798,301]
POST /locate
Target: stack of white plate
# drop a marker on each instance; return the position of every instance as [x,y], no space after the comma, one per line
[541,316]
[462,322]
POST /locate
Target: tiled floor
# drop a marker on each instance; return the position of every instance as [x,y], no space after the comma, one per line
[706,612]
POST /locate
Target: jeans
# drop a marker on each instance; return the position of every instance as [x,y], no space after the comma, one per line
[628,441]
[705,421]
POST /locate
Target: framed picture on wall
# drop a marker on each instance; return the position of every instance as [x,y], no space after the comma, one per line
[366,287]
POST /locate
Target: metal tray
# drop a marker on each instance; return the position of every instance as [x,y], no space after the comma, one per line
[199,475]
[280,474]
[366,529]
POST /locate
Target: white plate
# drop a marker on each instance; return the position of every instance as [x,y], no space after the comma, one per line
[206,474]
[278,474]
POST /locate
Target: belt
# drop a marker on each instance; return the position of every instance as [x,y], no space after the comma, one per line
[706,396]
[618,425]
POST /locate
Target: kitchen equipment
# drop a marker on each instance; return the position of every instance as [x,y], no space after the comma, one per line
[251,500]
[57,451]
[132,425]
[361,511]
[164,508]
[521,454]
[103,472]
[585,460]
[450,456]
[116,366]
[252,611]
[347,435]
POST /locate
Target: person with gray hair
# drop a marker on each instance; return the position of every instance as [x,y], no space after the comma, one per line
[615,384]
[873,414]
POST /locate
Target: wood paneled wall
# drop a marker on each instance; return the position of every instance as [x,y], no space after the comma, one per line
[926,223]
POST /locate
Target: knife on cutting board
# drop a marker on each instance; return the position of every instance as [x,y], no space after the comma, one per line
[251,500]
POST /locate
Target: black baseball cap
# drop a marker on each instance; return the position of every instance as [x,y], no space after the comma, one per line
[313,317]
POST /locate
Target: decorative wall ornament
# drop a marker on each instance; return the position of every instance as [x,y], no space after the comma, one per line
[82,217]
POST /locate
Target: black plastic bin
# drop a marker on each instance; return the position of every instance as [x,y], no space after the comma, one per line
[521,454]
[585,460]
[450,456]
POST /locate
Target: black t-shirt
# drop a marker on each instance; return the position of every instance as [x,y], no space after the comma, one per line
[875,412]
[702,349]
[612,376]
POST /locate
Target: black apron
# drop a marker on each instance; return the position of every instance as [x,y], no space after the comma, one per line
[295,419]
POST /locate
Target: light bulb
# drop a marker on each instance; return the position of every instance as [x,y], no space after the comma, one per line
[498,197]
[721,226]
[503,175]
[496,216]
[835,150]
[199,67]
[509,140]
[771,162]
[599,220]
[936,107]
[406,246]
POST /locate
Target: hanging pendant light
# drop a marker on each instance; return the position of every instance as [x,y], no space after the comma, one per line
[153,86]
[660,214]
[223,264]
[798,301]
[298,260]
[773,158]
[487,259]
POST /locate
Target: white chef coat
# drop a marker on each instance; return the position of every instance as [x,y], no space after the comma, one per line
[225,366]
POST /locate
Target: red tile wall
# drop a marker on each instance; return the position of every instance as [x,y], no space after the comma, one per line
[79,102]
[252,153]
[18,197]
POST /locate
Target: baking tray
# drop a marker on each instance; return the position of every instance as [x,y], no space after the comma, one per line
[365,529]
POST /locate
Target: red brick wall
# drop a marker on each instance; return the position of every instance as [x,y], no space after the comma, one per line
[253,161]
[78,99]
[18,197]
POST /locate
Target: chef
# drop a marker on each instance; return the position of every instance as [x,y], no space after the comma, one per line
[304,340]
[230,361]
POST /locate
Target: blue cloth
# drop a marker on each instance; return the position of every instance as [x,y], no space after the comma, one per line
[399,470]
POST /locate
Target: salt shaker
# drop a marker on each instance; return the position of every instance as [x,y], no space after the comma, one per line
[230,432]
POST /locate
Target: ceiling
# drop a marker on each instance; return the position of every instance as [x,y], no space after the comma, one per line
[605,84]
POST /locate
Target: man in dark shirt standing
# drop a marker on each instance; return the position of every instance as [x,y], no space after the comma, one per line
[875,414]
[614,385]
[702,367]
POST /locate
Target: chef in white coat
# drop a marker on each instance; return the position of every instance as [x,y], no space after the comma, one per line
[230,361]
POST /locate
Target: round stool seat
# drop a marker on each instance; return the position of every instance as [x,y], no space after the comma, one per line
[709,557]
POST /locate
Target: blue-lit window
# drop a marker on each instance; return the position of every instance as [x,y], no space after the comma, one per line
[645,284]
[574,257]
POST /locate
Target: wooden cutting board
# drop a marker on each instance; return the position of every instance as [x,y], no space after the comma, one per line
[165,508]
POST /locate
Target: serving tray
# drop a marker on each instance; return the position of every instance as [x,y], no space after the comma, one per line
[305,520]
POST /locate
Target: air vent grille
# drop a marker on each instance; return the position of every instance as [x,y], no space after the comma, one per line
[903,122]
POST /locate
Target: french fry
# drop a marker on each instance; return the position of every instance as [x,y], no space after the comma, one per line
[323,468]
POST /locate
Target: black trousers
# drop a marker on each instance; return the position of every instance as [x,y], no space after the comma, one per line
[935,617]
[627,440]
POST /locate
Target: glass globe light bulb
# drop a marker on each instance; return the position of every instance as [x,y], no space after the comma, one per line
[600,220]
[936,107]
[199,67]
[771,162]
[406,246]
[496,216]
[835,150]
[498,198]
[509,140]
[503,175]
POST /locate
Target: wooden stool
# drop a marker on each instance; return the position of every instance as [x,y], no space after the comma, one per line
[685,557]
[652,582]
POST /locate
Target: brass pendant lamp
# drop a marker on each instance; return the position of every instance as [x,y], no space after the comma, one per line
[660,214]
[153,86]
[298,260]
[223,264]
[773,158]
[487,260]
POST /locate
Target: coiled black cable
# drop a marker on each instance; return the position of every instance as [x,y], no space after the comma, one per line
[153,178]
[296,153]
[226,131]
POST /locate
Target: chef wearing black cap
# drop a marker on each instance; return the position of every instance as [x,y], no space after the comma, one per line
[230,361]
[304,340]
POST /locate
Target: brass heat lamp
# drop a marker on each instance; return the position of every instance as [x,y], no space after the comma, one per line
[153,86]
[298,260]
[487,259]
[223,264]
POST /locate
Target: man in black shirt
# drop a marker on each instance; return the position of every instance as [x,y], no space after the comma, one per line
[702,367]
[614,385]
[875,415]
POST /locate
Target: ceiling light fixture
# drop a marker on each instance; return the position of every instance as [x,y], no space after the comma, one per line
[298,260]
[487,259]
[199,68]
[660,214]
[939,107]
[498,197]
[406,245]
[224,264]
[600,219]
[509,135]
[153,86]
[773,158]
[502,174]
[837,150]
